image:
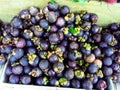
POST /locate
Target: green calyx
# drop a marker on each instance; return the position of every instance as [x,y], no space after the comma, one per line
[1,37]
[39,47]
[44,56]
[45,80]
[65,31]
[48,29]
[94,47]
[81,39]
[78,20]
[53,47]
[79,74]
[52,1]
[79,62]
[63,81]
[15,64]
[60,59]
[74,31]
[100,74]
[77,53]
[87,46]
[31,58]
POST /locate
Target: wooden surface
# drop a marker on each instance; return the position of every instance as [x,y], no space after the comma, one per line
[107,13]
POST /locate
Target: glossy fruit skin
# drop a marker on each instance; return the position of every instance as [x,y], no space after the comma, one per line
[24,14]
[95,29]
[75,83]
[54,38]
[86,17]
[18,53]
[17,69]
[60,22]
[65,10]
[44,23]
[107,71]
[29,43]
[54,81]
[93,18]
[103,45]
[115,66]
[42,81]
[14,79]
[44,45]
[69,74]
[98,62]
[101,84]
[97,38]
[73,46]
[97,52]
[16,22]
[52,17]
[44,64]
[24,61]
[108,51]
[21,43]
[27,69]
[92,68]
[53,58]
[107,61]
[8,70]
[27,34]
[71,64]
[36,72]
[32,50]
[33,10]
[87,84]
[15,32]
[58,67]
[25,79]
[107,38]
[90,58]
[52,6]
[51,73]
[113,27]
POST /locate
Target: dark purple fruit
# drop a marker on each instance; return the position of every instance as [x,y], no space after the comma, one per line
[75,83]
[17,69]
[42,81]
[53,58]
[97,38]
[20,43]
[53,28]
[44,45]
[16,22]
[44,65]
[53,6]
[60,22]
[27,69]
[54,81]
[92,68]
[58,67]
[24,14]
[44,23]
[53,38]
[87,84]
[97,52]
[33,10]
[36,72]
[107,61]
[25,79]
[69,74]
[90,58]
[95,29]
[51,73]
[24,61]
[101,85]
[71,64]
[52,17]
[107,71]
[93,18]
[8,70]
[14,79]
[73,46]
[64,10]
[108,51]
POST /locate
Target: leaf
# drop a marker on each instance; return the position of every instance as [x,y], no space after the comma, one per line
[52,1]
[73,31]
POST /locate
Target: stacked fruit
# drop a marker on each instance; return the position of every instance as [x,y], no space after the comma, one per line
[55,47]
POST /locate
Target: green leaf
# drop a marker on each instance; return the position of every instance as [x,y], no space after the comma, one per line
[52,1]
[73,31]
[75,0]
